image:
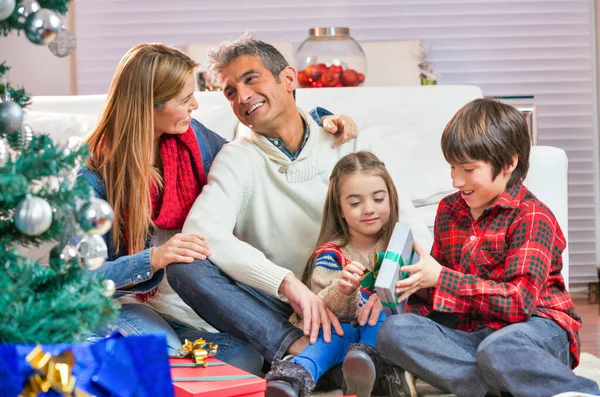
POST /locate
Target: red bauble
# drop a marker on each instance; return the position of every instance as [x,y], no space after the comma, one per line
[316,71]
[330,79]
[339,85]
[336,69]
[316,84]
[361,77]
[303,79]
[350,78]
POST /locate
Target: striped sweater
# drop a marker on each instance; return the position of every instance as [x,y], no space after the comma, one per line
[329,260]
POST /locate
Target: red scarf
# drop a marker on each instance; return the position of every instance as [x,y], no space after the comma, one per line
[183,180]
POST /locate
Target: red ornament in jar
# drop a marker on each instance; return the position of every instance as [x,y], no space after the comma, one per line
[350,78]
[328,54]
[303,79]
[330,79]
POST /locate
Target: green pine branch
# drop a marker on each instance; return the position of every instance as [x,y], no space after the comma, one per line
[41,170]
[16,94]
[41,305]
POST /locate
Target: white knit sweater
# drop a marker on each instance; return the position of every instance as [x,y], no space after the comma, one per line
[261,212]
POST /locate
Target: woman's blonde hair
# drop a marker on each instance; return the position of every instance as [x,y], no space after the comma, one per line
[334,226]
[123,143]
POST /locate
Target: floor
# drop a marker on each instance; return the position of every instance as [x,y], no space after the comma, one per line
[590,332]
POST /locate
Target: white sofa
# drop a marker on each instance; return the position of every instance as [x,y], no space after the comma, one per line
[408,122]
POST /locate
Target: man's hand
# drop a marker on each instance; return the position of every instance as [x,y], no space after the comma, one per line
[341,125]
[424,274]
[370,311]
[311,308]
[350,278]
[179,248]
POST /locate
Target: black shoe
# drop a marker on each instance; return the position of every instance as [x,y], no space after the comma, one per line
[280,388]
[396,382]
[359,374]
[288,379]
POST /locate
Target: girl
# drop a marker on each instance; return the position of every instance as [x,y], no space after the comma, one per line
[361,209]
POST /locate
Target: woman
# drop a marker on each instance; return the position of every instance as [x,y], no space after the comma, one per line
[149,160]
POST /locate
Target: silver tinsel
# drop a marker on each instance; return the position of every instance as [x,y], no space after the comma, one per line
[11,117]
[33,216]
[6,9]
[41,27]
[92,251]
[4,155]
[24,9]
[26,136]
[64,44]
[95,216]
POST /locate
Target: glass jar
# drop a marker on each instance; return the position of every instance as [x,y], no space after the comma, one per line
[330,57]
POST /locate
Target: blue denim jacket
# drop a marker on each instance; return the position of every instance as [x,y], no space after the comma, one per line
[135,270]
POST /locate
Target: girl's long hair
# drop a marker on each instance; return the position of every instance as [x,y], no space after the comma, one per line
[123,143]
[333,226]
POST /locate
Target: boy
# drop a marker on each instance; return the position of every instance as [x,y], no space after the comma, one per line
[495,267]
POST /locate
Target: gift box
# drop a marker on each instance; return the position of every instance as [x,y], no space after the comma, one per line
[399,253]
[116,366]
[215,379]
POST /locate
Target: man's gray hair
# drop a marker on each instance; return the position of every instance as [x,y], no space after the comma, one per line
[228,51]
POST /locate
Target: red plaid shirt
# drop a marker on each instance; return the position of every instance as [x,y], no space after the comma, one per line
[502,268]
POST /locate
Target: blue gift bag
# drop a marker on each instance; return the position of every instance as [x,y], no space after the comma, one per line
[117,366]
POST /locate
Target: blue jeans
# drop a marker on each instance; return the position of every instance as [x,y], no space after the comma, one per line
[318,358]
[530,359]
[137,319]
[242,311]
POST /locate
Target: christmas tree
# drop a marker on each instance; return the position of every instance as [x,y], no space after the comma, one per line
[42,201]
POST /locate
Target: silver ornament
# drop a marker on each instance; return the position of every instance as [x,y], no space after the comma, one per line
[33,216]
[3,152]
[109,288]
[6,8]
[95,216]
[92,251]
[41,27]
[64,44]
[67,254]
[11,117]
[23,10]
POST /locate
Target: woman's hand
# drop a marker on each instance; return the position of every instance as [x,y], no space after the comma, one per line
[350,279]
[180,248]
[342,126]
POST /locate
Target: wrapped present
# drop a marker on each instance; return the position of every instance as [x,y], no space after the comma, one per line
[399,252]
[116,366]
[213,378]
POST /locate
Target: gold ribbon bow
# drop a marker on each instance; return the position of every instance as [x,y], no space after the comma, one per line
[51,372]
[199,350]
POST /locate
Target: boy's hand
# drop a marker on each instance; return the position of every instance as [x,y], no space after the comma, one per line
[350,279]
[424,274]
[370,311]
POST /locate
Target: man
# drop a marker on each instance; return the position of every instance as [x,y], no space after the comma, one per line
[261,209]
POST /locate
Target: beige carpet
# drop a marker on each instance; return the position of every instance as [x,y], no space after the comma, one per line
[589,367]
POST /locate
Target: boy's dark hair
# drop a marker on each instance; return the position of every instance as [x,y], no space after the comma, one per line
[491,131]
